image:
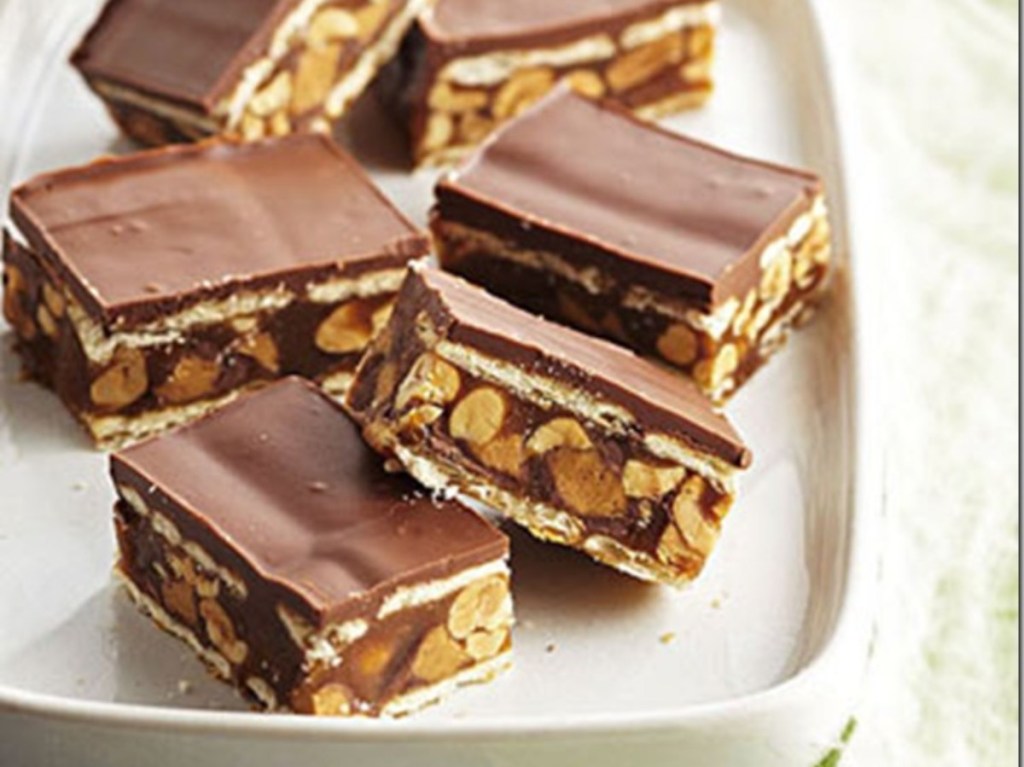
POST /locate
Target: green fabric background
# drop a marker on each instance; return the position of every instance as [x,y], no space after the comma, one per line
[936,101]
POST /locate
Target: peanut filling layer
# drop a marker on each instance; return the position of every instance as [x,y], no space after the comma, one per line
[720,348]
[558,473]
[364,666]
[654,67]
[125,386]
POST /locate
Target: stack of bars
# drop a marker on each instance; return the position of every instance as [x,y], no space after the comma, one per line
[256,328]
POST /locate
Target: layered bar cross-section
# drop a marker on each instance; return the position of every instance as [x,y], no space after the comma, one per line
[269,538]
[149,289]
[580,441]
[177,70]
[670,246]
[469,65]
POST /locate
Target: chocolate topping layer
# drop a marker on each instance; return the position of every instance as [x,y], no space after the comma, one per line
[189,51]
[645,205]
[284,480]
[660,400]
[143,234]
[470,20]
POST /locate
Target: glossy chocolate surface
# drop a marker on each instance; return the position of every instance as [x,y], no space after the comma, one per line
[661,401]
[189,51]
[282,480]
[469,21]
[646,206]
[141,235]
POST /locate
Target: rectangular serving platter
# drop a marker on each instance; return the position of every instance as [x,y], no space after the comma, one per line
[758,663]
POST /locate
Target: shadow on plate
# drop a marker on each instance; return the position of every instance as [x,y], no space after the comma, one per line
[33,420]
[548,577]
[126,659]
[374,137]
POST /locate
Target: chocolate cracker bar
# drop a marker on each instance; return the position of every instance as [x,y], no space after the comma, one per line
[177,70]
[578,440]
[469,65]
[670,246]
[269,538]
[149,289]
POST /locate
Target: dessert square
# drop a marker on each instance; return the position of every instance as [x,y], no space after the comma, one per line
[578,440]
[270,539]
[146,290]
[178,70]
[672,247]
[467,66]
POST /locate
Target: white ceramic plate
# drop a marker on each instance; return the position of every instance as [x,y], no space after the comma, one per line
[757,664]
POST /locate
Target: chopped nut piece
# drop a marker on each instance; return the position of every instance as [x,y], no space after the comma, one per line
[482,645]
[478,418]
[438,132]
[722,506]
[299,629]
[521,90]
[695,530]
[586,484]
[13,311]
[331,24]
[504,454]
[474,127]
[261,347]
[695,71]
[345,330]
[177,595]
[586,83]
[192,377]
[46,322]
[431,379]
[55,302]
[643,63]
[438,656]
[679,344]
[274,97]
[672,549]
[371,657]
[387,378]
[380,317]
[420,417]
[803,268]
[331,700]
[123,382]
[315,77]
[558,432]
[713,373]
[699,42]
[693,488]
[221,631]
[820,234]
[687,515]
[445,98]
[370,19]
[481,606]
[777,277]
[14,285]
[253,128]
[280,125]
[642,480]
[761,319]
[744,314]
